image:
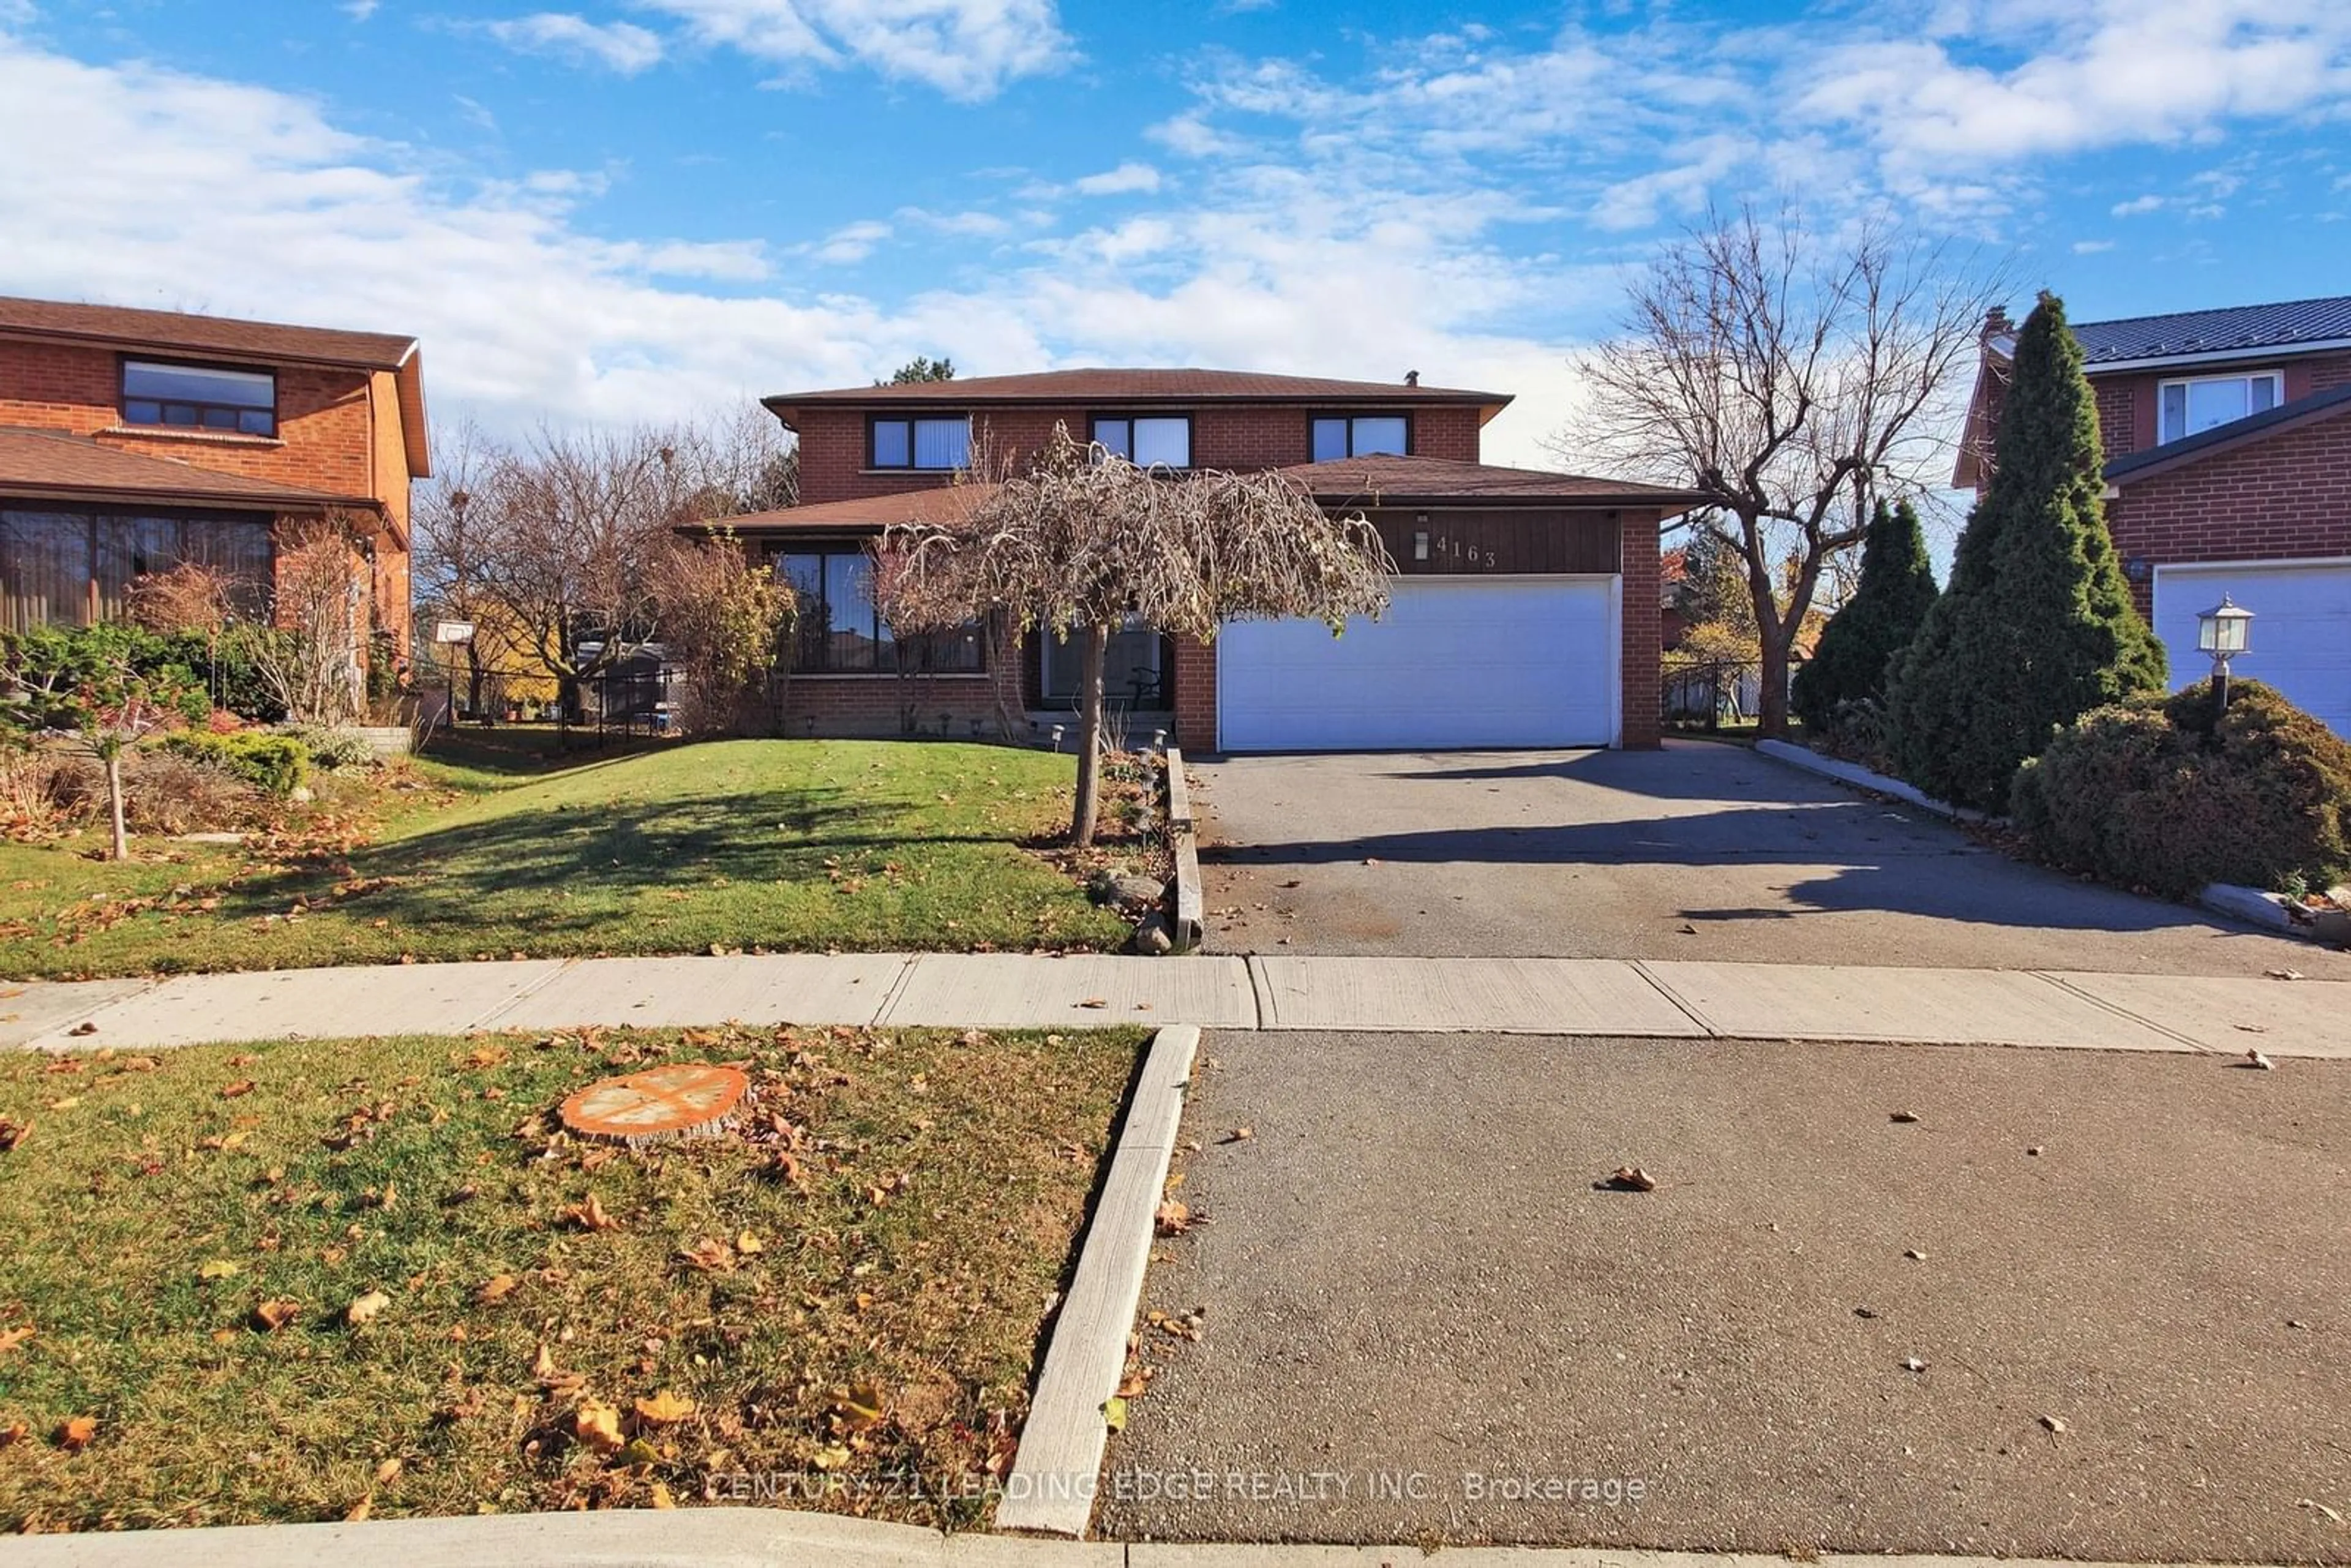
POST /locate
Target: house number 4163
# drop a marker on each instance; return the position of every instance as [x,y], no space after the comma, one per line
[1444,549]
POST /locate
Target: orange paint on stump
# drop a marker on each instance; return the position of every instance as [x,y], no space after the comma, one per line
[679,1097]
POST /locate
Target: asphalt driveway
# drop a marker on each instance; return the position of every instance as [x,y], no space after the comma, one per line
[1698,851]
[2118,1278]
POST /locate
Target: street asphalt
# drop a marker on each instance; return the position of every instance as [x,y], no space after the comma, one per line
[2085,1305]
[1703,851]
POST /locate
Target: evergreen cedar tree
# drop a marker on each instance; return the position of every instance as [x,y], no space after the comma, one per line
[2037,627]
[1876,624]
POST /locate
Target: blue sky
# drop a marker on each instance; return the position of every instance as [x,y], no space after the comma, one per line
[618,209]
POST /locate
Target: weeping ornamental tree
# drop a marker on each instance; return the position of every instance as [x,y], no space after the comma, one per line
[2037,627]
[1084,539]
[1876,624]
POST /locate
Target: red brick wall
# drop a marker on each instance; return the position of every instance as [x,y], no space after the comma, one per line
[1195,695]
[2286,497]
[328,437]
[1640,633]
[1234,436]
[889,706]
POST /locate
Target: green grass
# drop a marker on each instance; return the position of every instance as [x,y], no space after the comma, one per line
[495,849]
[905,1255]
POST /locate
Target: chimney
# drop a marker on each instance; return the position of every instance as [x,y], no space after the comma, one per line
[1412,378]
[1996,323]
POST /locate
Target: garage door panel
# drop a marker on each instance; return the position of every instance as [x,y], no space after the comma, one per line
[1456,663]
[2301,633]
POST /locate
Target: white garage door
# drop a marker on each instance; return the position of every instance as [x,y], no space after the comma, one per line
[1460,662]
[2301,634]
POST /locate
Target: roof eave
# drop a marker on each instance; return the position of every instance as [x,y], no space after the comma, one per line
[124,343]
[120,494]
[2122,472]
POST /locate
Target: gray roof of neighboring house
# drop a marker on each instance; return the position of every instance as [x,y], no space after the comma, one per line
[2288,324]
[2173,453]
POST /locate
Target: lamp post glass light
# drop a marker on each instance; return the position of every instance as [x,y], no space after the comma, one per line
[2223,631]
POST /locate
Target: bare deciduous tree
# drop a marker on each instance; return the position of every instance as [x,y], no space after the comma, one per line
[316,668]
[1084,539]
[1791,380]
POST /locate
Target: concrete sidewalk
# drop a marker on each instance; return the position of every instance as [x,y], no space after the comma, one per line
[774,1538]
[1592,996]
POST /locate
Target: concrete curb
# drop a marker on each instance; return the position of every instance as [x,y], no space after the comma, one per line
[770,1538]
[2270,912]
[1861,777]
[2250,904]
[1051,1487]
[1183,835]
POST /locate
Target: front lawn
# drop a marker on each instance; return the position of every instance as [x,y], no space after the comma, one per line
[472,1312]
[742,845]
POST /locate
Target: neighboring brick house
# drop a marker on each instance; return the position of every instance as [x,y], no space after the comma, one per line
[1525,612]
[2228,446]
[132,441]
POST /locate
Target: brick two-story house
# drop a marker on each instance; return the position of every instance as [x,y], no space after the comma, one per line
[1524,612]
[132,441]
[2228,449]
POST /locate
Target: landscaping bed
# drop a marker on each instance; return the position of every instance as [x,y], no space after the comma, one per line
[348,1279]
[733,845]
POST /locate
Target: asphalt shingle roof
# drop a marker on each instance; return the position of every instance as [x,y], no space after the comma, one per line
[2284,325]
[1105,385]
[57,464]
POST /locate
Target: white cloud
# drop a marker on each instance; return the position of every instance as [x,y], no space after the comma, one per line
[966,48]
[1124,180]
[970,225]
[621,46]
[2008,81]
[2138,206]
[849,243]
[2092,246]
[361,10]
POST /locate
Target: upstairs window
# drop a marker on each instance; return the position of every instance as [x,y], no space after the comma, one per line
[1152,441]
[941,443]
[1359,436]
[2203,403]
[199,397]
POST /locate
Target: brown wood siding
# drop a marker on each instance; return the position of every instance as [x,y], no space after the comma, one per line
[1502,540]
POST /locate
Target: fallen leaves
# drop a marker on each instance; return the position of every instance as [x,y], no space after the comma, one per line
[496,1288]
[1627,1178]
[664,1409]
[1114,1412]
[13,1134]
[589,1215]
[2284,974]
[857,1408]
[366,1309]
[2053,1424]
[597,1424]
[710,1254]
[1173,1217]
[14,1339]
[275,1314]
[238,1090]
[2258,1062]
[1903,1117]
[76,1433]
[219,1269]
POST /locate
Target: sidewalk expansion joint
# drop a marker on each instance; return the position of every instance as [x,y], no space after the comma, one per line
[1641,968]
[522,994]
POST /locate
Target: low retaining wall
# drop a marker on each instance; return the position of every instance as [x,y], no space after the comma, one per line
[1183,839]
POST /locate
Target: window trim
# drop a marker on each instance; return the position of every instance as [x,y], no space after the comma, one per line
[2275,376]
[779,549]
[874,463]
[122,399]
[1191,434]
[1411,436]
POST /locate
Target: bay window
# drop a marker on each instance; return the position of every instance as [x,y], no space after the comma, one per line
[840,632]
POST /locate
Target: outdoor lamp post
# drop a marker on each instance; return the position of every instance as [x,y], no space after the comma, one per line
[2223,632]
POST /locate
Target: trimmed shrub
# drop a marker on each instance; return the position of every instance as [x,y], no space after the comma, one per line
[2037,627]
[172,794]
[333,749]
[2168,795]
[268,760]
